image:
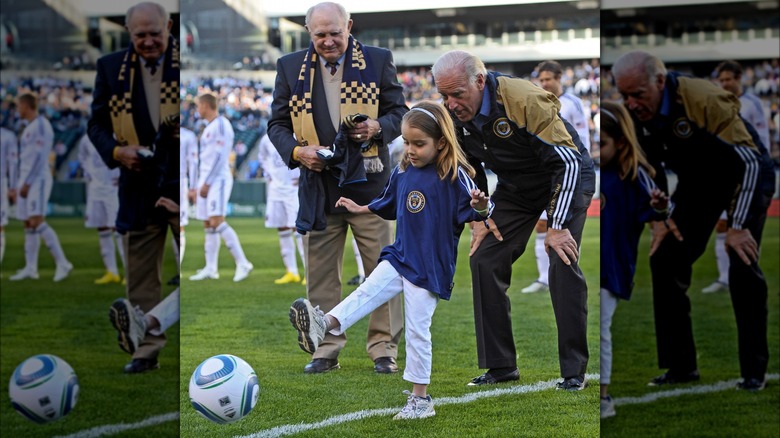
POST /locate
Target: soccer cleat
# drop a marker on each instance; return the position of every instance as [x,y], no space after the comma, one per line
[203,274]
[416,407]
[607,407]
[310,323]
[129,323]
[62,271]
[287,278]
[356,280]
[107,278]
[536,286]
[242,271]
[24,274]
[303,281]
[716,286]
[576,383]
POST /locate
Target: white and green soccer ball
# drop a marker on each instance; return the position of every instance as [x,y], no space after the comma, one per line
[224,388]
[43,388]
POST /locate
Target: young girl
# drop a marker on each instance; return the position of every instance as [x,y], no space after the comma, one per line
[629,198]
[431,195]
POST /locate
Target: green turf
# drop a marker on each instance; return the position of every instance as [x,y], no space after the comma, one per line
[249,319]
[70,319]
[725,413]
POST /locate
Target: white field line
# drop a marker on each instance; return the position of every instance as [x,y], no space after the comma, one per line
[112,429]
[289,429]
[700,389]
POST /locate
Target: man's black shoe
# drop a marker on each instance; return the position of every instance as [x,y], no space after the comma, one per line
[136,366]
[752,384]
[174,281]
[576,383]
[669,378]
[356,280]
[495,376]
[385,365]
[317,366]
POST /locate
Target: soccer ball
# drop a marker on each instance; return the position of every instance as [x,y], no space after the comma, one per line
[43,388]
[224,388]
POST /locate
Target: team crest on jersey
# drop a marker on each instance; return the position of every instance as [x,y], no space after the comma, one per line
[682,128]
[415,202]
[502,128]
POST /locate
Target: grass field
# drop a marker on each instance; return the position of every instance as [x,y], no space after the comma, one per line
[724,413]
[70,319]
[249,319]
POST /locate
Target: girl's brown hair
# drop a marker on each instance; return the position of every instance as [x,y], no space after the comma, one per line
[432,119]
[616,122]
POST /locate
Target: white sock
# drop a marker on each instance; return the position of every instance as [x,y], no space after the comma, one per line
[358,259]
[287,248]
[212,249]
[52,242]
[542,259]
[176,253]
[32,244]
[299,243]
[108,250]
[2,245]
[722,257]
[231,241]
[120,246]
[182,242]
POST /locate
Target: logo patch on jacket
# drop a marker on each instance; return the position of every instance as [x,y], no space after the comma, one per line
[682,128]
[415,201]
[502,128]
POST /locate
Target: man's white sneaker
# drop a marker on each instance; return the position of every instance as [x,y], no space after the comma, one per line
[24,274]
[242,271]
[416,407]
[716,286]
[129,323]
[536,286]
[62,271]
[607,407]
[203,274]
[310,323]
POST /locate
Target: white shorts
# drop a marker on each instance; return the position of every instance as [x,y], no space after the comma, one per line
[184,203]
[281,214]
[37,200]
[3,206]
[101,213]
[215,204]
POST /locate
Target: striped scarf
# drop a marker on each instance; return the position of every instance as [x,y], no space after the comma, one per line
[359,95]
[122,105]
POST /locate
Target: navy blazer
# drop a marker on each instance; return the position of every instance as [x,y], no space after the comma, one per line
[392,107]
[138,191]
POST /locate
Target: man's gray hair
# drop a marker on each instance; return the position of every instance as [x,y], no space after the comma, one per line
[459,60]
[342,12]
[161,10]
[628,63]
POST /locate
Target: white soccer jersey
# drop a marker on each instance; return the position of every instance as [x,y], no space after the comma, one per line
[216,143]
[282,181]
[753,112]
[573,110]
[34,148]
[101,181]
[188,156]
[9,154]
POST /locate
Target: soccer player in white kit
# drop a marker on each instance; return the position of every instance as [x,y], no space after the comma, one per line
[215,183]
[730,79]
[281,208]
[574,112]
[9,167]
[33,190]
[188,166]
[102,207]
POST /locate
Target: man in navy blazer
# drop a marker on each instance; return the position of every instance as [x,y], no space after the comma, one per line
[134,126]
[330,61]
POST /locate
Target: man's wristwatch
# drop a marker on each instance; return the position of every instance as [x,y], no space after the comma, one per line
[378,134]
